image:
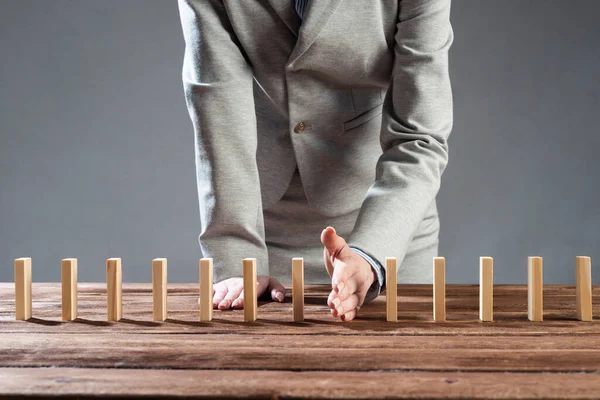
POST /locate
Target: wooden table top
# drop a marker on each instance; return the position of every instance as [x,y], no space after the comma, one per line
[321,357]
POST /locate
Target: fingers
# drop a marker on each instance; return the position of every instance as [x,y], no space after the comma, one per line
[346,306]
[263,283]
[332,296]
[349,316]
[347,288]
[337,257]
[340,277]
[220,290]
[277,290]
[230,292]
[233,292]
[239,301]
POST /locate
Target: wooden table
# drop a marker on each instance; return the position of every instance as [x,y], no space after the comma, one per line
[322,358]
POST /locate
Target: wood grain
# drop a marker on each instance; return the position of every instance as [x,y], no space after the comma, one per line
[391,283]
[206,289]
[320,357]
[298,289]
[439,289]
[159,289]
[583,279]
[68,383]
[415,305]
[69,288]
[486,289]
[535,292]
[303,353]
[250,301]
[114,289]
[23,285]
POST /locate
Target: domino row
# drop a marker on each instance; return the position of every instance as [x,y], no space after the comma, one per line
[23,284]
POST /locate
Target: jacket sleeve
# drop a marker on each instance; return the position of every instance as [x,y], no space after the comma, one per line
[416,123]
[217,81]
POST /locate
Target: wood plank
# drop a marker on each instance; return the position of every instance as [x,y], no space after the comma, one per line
[439,289]
[23,285]
[391,283]
[253,341]
[321,356]
[486,289]
[206,289]
[69,288]
[250,300]
[159,289]
[302,352]
[298,289]
[114,283]
[414,314]
[84,383]
[583,278]
[535,297]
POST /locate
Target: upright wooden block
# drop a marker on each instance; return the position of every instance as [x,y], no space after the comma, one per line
[486,288]
[159,289]
[298,289]
[535,294]
[439,289]
[69,289]
[391,284]
[250,300]
[114,289]
[206,289]
[583,276]
[23,289]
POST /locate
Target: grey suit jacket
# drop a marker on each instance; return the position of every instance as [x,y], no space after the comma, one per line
[357,96]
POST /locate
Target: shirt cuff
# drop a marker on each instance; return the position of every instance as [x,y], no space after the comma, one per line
[379,284]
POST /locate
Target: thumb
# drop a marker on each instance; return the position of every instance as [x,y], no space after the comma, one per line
[333,243]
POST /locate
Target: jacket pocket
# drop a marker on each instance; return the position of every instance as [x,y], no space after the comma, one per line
[363,117]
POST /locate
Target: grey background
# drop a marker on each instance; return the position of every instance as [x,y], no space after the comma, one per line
[96,146]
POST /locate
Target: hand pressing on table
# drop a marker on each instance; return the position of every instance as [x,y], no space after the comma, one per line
[229,293]
[351,275]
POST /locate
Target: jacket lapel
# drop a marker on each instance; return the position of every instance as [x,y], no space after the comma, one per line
[286,11]
[308,28]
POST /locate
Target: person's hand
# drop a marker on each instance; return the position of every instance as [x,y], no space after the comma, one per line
[229,293]
[351,275]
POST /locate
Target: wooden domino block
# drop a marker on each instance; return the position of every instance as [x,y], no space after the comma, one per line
[69,289]
[114,289]
[23,289]
[250,300]
[486,288]
[206,289]
[159,289]
[439,289]
[535,292]
[583,276]
[298,289]
[391,284]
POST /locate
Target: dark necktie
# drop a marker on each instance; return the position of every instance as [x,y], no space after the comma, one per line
[300,6]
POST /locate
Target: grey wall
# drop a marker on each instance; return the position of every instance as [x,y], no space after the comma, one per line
[96,156]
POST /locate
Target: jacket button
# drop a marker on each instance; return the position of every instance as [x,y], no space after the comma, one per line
[300,127]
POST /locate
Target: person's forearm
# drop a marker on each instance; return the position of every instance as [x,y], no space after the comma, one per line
[416,124]
[219,94]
